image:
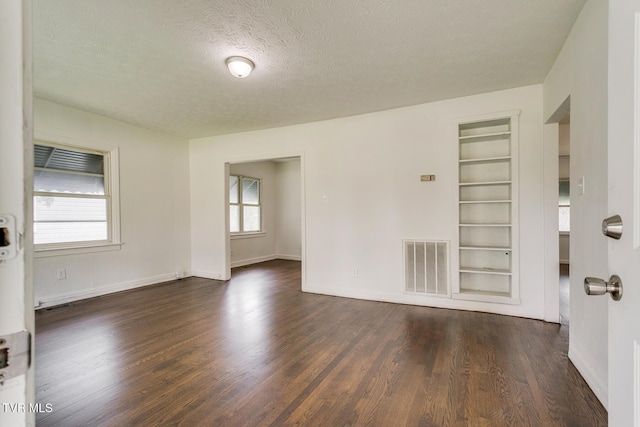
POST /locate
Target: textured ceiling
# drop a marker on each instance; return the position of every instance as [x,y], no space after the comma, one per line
[159,64]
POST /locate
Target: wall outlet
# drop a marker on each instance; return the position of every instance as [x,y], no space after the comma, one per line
[354,272]
[179,274]
[62,273]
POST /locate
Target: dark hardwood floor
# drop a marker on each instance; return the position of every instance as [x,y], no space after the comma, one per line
[564,294]
[258,351]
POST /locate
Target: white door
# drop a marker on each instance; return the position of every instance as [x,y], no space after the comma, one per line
[624,200]
[16,308]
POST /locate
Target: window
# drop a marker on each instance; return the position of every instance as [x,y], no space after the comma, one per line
[73,197]
[564,213]
[244,205]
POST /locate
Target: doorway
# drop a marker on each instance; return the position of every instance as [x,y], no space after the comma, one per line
[564,215]
[265,211]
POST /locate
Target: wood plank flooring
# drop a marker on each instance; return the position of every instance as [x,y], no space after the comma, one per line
[257,351]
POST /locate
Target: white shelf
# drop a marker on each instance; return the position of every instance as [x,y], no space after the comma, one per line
[498,271]
[487,166]
[480,202]
[486,248]
[470,184]
[486,160]
[468,138]
[486,296]
[485,225]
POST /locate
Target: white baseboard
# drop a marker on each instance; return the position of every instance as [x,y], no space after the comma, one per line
[597,385]
[249,261]
[208,275]
[51,301]
[289,257]
[424,300]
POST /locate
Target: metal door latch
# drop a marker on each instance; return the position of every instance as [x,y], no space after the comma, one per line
[596,286]
[15,355]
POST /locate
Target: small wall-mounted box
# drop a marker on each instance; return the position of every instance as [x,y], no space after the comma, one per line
[427,178]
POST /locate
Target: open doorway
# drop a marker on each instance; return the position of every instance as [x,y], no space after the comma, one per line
[564,214]
[556,173]
[265,211]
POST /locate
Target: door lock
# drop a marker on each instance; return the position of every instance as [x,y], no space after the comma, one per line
[15,355]
[8,243]
[595,286]
[612,227]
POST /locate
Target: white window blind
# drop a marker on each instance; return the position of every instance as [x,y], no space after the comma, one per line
[71,196]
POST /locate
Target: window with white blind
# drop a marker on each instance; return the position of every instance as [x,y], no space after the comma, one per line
[73,197]
[245,214]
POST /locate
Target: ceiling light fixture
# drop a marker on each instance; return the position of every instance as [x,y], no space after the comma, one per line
[240,67]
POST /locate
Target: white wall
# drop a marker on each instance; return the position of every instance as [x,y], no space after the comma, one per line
[580,72]
[154,203]
[564,167]
[564,248]
[564,142]
[363,195]
[280,237]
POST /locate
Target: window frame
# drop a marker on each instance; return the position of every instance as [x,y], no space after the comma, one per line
[241,205]
[112,198]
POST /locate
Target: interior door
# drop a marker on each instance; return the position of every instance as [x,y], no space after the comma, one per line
[624,200]
[16,307]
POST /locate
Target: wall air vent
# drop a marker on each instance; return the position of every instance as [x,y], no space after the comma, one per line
[426,267]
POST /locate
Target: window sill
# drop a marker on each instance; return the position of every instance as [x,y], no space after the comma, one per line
[247,235]
[75,250]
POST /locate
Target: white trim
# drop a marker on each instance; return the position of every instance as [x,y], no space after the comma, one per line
[564,261]
[487,117]
[583,365]
[247,235]
[81,144]
[209,275]
[111,154]
[289,257]
[636,138]
[241,205]
[424,300]
[636,383]
[249,261]
[245,158]
[91,248]
[77,296]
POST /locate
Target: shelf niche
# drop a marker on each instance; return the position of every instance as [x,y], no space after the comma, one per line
[487,209]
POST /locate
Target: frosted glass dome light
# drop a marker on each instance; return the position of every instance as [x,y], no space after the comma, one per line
[239,67]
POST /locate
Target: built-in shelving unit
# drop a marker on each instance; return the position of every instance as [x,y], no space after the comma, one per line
[488,229]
